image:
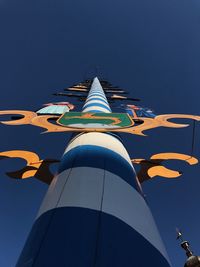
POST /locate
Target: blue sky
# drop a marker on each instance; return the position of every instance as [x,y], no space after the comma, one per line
[151,48]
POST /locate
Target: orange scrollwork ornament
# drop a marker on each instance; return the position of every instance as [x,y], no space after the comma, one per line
[153,167]
[35,167]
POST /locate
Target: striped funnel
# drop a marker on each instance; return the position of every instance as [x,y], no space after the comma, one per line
[94,214]
[96,100]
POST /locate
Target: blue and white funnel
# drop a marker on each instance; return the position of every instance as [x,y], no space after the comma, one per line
[94,214]
[96,100]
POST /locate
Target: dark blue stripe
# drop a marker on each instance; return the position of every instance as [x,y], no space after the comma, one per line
[99,99]
[101,158]
[77,237]
[97,105]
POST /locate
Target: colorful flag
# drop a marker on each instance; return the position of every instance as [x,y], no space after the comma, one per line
[56,108]
[137,111]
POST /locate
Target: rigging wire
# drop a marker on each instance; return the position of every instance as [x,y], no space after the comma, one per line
[193,141]
[193,138]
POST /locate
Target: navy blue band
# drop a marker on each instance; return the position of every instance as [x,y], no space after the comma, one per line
[101,158]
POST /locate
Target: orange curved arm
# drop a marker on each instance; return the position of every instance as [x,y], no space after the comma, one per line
[34,166]
[153,167]
[148,123]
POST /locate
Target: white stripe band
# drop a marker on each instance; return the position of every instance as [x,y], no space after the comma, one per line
[85,186]
[99,97]
[96,94]
[90,101]
[94,108]
[101,140]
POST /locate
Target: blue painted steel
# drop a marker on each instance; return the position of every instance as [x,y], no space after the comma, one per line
[78,237]
[99,157]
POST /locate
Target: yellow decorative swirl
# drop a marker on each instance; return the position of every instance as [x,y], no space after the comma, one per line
[27,116]
[148,123]
[34,166]
[153,167]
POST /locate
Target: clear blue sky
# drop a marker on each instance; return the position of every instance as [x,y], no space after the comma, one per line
[150,47]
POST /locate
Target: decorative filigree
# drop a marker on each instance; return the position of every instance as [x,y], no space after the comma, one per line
[27,116]
[153,167]
[149,168]
[35,167]
[31,118]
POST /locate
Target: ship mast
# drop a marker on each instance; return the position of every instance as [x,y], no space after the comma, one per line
[94,213]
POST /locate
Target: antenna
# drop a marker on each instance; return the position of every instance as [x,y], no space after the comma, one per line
[179,235]
[184,244]
[192,261]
